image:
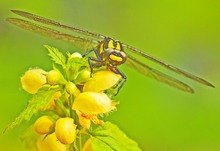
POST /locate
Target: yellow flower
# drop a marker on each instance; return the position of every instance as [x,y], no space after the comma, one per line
[33,80]
[93,103]
[65,130]
[43,125]
[102,80]
[50,143]
[89,104]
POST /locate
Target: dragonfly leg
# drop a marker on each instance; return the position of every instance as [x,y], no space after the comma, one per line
[98,63]
[88,52]
[95,51]
[121,82]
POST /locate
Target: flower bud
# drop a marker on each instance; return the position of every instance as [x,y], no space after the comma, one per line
[65,130]
[43,125]
[50,143]
[72,89]
[33,80]
[76,55]
[53,76]
[83,76]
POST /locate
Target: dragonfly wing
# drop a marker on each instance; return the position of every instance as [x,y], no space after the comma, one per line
[168,66]
[57,24]
[155,74]
[81,42]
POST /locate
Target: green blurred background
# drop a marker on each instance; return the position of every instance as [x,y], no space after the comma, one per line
[160,118]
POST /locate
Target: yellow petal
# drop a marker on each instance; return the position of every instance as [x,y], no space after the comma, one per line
[50,143]
[83,121]
[92,103]
[102,80]
[33,80]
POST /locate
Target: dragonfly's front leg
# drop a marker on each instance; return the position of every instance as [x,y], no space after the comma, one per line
[88,52]
[121,82]
[99,61]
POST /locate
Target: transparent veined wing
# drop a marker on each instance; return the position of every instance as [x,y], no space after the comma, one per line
[168,66]
[57,24]
[81,42]
[155,74]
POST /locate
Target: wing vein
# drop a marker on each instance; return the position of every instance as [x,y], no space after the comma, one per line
[155,74]
[76,40]
[54,23]
[170,67]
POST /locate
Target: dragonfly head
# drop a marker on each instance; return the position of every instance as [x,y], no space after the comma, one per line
[113,51]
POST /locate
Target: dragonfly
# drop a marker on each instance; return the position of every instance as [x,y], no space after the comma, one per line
[109,52]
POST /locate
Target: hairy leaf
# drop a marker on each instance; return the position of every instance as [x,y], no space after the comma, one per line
[56,55]
[38,102]
[110,138]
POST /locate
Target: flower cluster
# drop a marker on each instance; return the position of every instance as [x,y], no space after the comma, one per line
[69,103]
[78,100]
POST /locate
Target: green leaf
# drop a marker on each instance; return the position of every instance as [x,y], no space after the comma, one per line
[56,55]
[39,101]
[110,138]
